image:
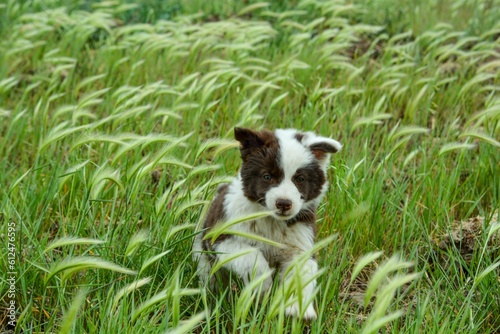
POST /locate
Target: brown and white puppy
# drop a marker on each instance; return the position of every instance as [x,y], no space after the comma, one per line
[283,172]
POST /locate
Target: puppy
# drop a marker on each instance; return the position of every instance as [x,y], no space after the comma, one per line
[283,172]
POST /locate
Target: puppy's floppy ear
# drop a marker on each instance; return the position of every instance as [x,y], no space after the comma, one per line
[320,146]
[321,149]
[248,138]
[251,140]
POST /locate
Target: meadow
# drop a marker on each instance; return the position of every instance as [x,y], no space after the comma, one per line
[116,123]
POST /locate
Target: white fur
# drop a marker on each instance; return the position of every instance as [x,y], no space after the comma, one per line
[307,273]
[204,266]
[296,238]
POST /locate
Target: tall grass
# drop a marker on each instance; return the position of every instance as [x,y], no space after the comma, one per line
[116,123]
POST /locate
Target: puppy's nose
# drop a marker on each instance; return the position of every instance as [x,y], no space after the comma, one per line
[283,204]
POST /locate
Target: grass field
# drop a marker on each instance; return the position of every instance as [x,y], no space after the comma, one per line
[116,128]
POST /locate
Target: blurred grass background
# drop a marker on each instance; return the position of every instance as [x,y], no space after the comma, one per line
[116,122]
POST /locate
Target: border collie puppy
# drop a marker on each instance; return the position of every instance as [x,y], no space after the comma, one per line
[283,172]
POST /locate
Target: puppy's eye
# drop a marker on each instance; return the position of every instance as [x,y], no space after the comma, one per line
[300,179]
[267,177]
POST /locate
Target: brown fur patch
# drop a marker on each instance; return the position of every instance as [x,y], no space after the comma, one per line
[260,169]
[309,180]
[306,217]
[255,142]
[215,214]
[299,136]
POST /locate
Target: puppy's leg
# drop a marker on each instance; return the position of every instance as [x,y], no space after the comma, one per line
[306,282]
[251,265]
[204,266]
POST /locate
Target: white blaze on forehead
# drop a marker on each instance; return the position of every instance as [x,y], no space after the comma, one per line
[294,155]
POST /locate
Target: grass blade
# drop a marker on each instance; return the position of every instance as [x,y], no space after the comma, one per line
[71,241]
[70,316]
[71,265]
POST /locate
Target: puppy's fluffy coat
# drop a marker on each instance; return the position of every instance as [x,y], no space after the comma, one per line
[283,172]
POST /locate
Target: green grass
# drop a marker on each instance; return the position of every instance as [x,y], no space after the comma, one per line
[116,128]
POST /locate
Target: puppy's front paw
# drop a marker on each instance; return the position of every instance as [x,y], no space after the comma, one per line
[261,284]
[294,311]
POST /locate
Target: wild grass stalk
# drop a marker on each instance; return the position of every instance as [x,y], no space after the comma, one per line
[116,128]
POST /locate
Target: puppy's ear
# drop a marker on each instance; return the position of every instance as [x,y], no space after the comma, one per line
[248,138]
[251,140]
[321,147]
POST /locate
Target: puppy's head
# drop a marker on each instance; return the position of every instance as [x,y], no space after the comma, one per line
[285,170]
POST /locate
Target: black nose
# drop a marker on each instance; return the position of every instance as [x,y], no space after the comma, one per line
[283,204]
